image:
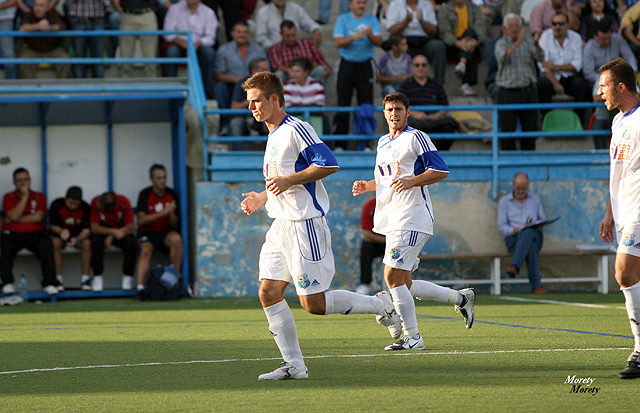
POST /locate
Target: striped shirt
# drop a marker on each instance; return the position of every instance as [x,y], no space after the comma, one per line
[432,93]
[309,94]
[518,70]
[86,9]
[282,55]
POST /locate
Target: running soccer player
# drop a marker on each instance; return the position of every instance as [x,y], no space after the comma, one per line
[406,162]
[618,91]
[297,248]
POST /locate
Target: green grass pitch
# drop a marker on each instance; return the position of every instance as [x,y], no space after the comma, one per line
[206,354]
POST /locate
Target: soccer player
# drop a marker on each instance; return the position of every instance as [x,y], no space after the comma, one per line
[406,162]
[297,248]
[158,224]
[618,91]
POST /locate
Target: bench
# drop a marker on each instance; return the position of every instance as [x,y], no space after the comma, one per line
[496,280]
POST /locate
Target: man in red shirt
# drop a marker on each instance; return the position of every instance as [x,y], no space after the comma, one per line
[69,224]
[158,224]
[112,224]
[23,227]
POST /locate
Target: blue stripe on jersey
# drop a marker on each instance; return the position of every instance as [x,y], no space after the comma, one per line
[426,204]
[297,125]
[313,241]
[311,188]
[318,154]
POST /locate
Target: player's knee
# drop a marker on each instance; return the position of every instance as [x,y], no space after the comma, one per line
[314,308]
[626,278]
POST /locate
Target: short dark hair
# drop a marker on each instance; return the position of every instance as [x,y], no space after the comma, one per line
[395,39]
[603,26]
[156,167]
[19,171]
[302,62]
[620,71]
[267,83]
[253,64]
[240,23]
[561,13]
[396,97]
[108,200]
[287,24]
[74,192]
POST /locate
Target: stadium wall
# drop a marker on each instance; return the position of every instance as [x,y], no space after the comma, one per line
[228,241]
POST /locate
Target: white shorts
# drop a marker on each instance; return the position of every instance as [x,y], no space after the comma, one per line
[402,249]
[299,252]
[629,240]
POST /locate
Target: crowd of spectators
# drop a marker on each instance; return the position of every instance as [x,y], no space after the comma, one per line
[555,58]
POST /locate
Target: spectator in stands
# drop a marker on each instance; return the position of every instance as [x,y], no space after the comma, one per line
[372,246]
[163,9]
[463,30]
[492,67]
[324,10]
[596,11]
[542,15]
[137,15]
[269,18]
[240,124]
[518,214]
[560,71]
[231,65]
[43,47]
[86,15]
[231,14]
[201,21]
[416,20]
[291,47]
[70,225]
[7,47]
[158,224]
[355,35]
[623,5]
[629,28]
[395,65]
[304,90]
[23,226]
[112,224]
[603,47]
[424,91]
[517,78]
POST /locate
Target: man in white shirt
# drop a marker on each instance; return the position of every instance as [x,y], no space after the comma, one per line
[562,63]
[622,218]
[269,18]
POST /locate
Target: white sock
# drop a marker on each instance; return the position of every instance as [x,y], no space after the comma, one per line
[140,287]
[632,302]
[283,329]
[84,278]
[425,290]
[347,302]
[406,308]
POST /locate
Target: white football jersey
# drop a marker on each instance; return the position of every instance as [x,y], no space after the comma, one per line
[292,147]
[409,154]
[624,178]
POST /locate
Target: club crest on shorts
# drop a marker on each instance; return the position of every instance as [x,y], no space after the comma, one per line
[303,281]
[395,254]
[628,240]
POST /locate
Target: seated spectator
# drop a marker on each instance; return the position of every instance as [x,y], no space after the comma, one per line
[395,65]
[623,5]
[269,18]
[603,47]
[424,91]
[304,90]
[137,15]
[231,65]
[163,9]
[492,10]
[240,124]
[542,15]
[373,245]
[70,225]
[158,225]
[560,71]
[201,21]
[492,67]
[7,16]
[112,224]
[463,30]
[629,28]
[87,15]
[596,11]
[517,56]
[40,20]
[23,226]
[291,47]
[416,20]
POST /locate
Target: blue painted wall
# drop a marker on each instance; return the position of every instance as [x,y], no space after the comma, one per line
[228,241]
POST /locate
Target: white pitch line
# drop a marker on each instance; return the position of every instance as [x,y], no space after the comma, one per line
[542,301]
[412,353]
